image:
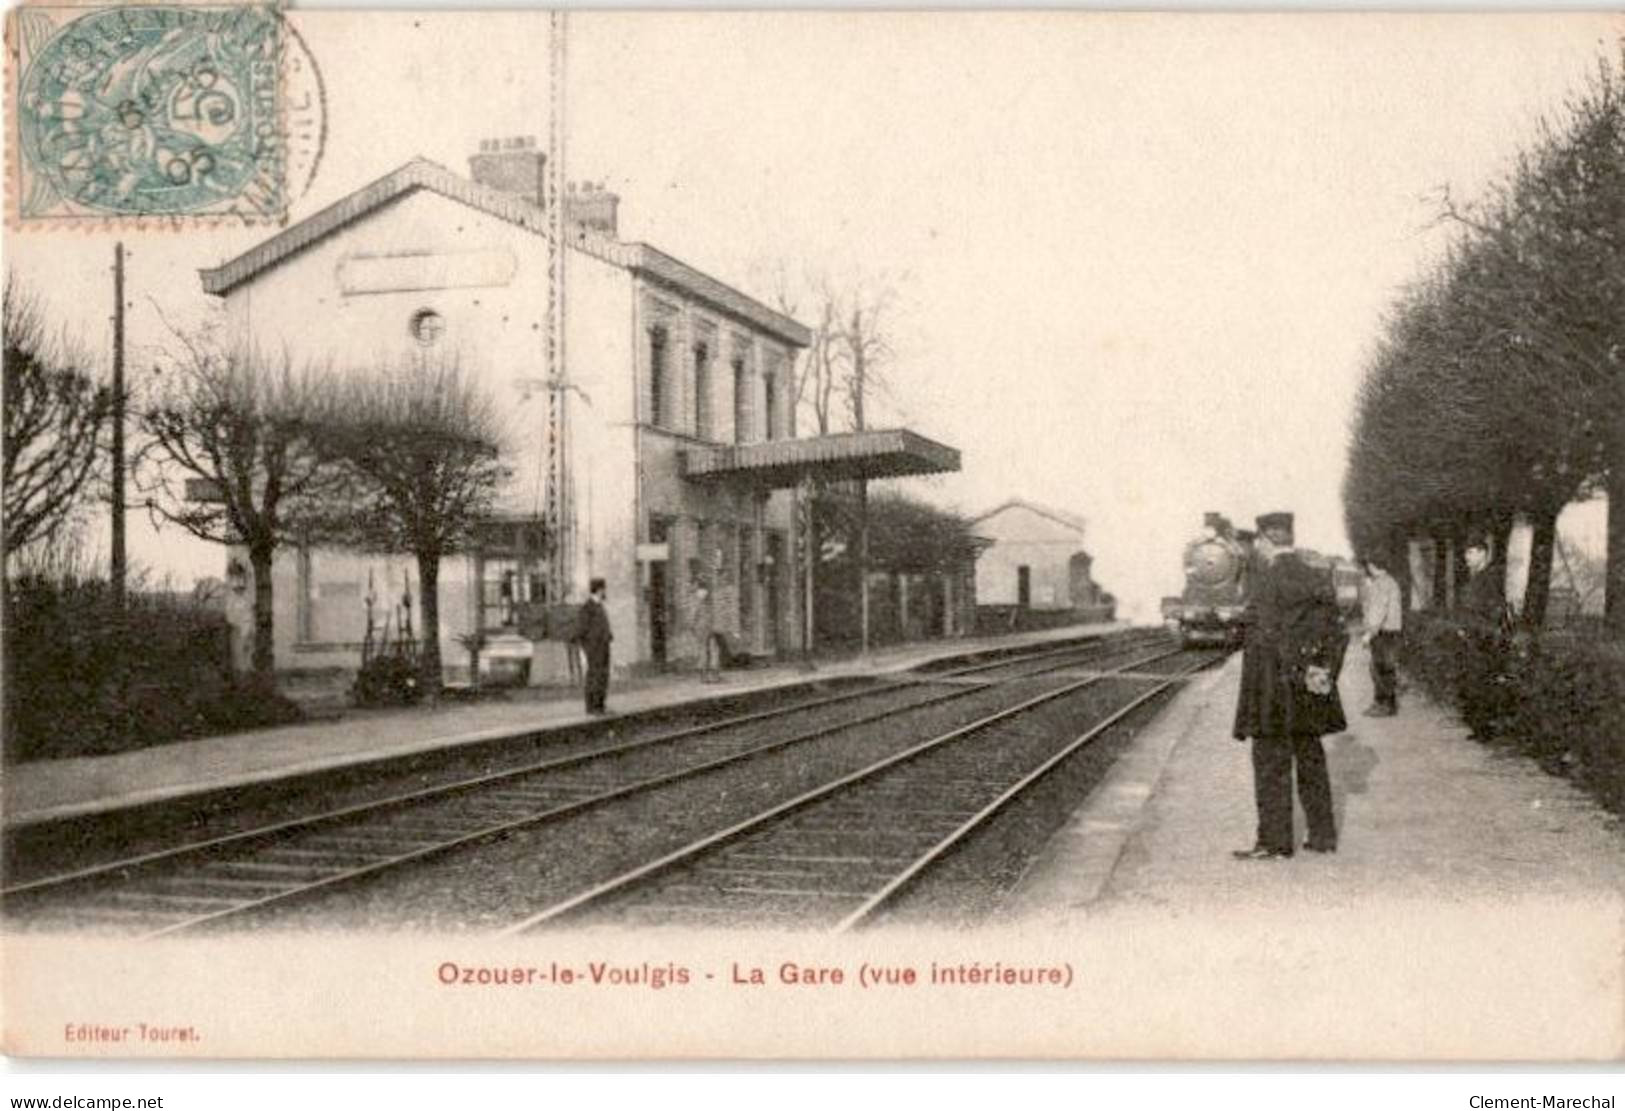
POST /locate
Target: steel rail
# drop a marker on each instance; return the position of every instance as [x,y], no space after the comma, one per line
[439,847]
[346,813]
[906,877]
[311,821]
[1133,639]
[418,850]
[542,817]
[711,841]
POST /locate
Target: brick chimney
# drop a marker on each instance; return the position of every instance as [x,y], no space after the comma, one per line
[513,165]
[591,208]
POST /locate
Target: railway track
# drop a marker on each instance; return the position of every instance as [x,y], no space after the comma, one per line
[214,881]
[842,854]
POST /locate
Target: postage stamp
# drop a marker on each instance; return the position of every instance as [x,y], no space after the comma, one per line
[153,113]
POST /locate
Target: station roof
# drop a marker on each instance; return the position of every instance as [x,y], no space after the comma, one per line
[845,456]
[420,174]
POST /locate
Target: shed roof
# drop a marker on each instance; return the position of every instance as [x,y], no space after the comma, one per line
[1059,516]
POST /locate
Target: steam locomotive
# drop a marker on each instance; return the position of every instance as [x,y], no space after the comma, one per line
[1218,564]
[1218,567]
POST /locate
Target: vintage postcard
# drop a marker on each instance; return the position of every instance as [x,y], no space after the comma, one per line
[1067,535]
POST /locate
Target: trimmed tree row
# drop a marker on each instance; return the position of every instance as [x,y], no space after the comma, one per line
[1498,388]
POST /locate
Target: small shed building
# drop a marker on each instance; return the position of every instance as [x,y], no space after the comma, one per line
[1035,559]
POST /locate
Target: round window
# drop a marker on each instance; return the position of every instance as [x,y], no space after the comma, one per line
[426,326]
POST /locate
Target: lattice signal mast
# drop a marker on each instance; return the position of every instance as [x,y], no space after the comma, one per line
[558,503]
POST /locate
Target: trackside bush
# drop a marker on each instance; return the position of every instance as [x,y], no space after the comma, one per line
[1562,700]
[83,680]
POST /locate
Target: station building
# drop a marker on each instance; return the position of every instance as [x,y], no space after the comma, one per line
[682,456]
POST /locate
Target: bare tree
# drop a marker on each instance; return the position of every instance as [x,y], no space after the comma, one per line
[864,349]
[424,444]
[813,389]
[853,325]
[813,385]
[232,460]
[847,362]
[54,416]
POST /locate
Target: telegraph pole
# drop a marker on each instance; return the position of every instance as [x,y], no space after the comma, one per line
[119,569]
[809,544]
[858,345]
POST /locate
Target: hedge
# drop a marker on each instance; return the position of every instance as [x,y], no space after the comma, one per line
[82,680]
[1562,700]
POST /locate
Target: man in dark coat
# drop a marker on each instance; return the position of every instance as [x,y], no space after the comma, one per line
[593,635]
[1288,700]
[1482,631]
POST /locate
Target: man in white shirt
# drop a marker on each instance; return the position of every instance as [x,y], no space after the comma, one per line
[1384,617]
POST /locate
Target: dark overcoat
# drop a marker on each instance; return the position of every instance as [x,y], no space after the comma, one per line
[592,633]
[1292,624]
[1484,635]
[1483,611]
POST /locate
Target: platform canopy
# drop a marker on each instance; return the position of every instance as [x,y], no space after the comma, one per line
[845,456]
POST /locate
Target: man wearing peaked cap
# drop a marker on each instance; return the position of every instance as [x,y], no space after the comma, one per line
[1276,522]
[1288,699]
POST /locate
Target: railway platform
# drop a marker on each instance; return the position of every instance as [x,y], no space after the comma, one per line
[49,790]
[1425,815]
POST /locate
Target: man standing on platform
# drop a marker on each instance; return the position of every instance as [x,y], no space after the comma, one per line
[1383,615]
[1288,700]
[592,633]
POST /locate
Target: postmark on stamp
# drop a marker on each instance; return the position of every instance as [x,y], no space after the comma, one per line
[151,112]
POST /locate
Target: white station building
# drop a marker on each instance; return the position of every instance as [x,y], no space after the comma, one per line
[682,460]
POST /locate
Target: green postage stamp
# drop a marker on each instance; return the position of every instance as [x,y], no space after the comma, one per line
[146,112]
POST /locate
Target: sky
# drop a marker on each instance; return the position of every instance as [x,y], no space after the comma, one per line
[1138,260]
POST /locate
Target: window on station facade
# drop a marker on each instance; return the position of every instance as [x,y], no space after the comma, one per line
[743,433]
[426,326]
[770,405]
[509,587]
[512,574]
[659,378]
[747,564]
[702,391]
